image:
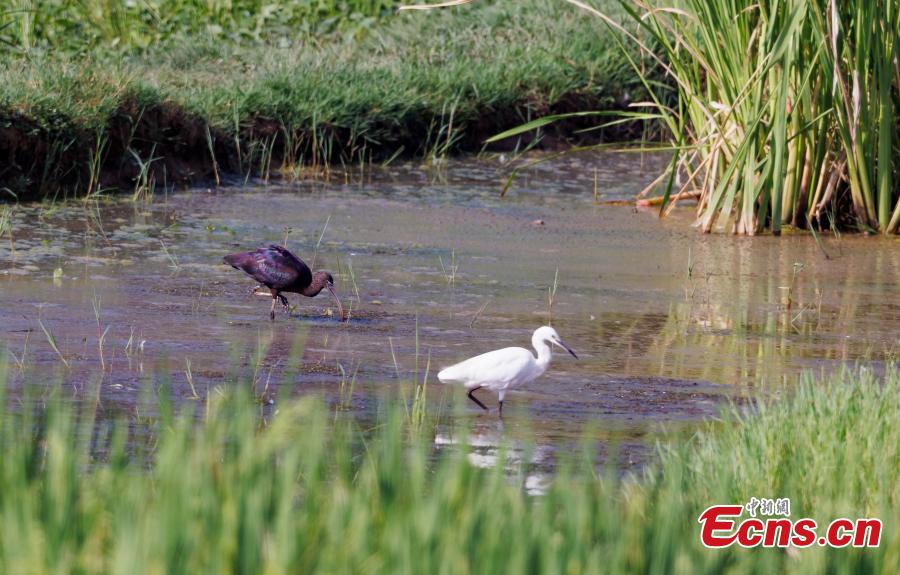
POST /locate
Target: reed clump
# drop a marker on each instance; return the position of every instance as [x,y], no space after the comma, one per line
[787,111]
[221,487]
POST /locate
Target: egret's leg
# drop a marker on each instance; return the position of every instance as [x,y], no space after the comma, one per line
[501,395]
[475,399]
[500,411]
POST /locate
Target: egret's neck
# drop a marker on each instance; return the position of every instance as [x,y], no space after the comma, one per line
[543,352]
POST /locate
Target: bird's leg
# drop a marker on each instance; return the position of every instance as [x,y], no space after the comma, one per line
[500,411]
[274,301]
[285,306]
[475,399]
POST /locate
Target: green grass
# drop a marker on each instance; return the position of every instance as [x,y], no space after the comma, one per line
[415,84]
[217,488]
[80,25]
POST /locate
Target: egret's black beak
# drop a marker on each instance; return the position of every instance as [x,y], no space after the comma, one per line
[330,287]
[563,345]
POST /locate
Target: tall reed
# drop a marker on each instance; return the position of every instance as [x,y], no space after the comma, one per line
[786,112]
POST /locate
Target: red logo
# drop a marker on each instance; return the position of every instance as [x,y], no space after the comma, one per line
[720,527]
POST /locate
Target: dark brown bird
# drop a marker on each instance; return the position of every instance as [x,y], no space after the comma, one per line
[281,271]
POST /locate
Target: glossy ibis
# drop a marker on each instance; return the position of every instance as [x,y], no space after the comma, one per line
[282,272]
[502,369]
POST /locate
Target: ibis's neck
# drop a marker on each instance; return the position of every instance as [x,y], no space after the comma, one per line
[315,286]
[543,352]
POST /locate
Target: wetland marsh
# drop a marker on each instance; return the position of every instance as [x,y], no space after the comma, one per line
[154,420]
[177,429]
[433,266]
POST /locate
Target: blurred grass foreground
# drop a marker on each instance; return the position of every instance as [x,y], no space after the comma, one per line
[217,488]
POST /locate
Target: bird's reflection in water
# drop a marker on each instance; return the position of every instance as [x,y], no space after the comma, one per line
[486,443]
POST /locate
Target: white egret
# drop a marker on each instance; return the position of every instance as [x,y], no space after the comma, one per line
[502,369]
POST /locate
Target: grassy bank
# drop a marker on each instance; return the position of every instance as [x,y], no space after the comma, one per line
[80,25]
[307,493]
[192,106]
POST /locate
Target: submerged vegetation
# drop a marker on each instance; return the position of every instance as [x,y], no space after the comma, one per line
[249,97]
[221,487]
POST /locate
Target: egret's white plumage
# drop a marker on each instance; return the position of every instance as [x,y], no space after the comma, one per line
[502,369]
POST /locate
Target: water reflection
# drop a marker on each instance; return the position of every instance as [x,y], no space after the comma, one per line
[486,444]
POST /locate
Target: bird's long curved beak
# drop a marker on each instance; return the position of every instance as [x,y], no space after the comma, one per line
[336,299]
[563,345]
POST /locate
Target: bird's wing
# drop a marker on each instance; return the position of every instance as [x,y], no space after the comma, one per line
[272,266]
[295,272]
[494,368]
[284,257]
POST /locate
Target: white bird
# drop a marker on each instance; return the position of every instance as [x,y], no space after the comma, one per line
[505,368]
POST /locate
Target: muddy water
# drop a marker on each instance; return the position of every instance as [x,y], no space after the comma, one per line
[667,323]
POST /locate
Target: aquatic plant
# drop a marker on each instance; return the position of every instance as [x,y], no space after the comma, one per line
[223,486]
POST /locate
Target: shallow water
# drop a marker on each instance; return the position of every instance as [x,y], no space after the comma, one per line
[668,323]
